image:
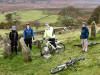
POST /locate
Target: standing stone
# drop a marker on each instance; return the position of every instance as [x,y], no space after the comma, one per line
[93,30]
[7,47]
[25,51]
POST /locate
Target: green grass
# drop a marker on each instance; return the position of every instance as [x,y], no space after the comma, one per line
[51,19]
[32,15]
[41,66]
[2,17]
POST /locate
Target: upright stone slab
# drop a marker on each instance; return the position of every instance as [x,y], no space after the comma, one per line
[25,51]
[7,47]
[93,30]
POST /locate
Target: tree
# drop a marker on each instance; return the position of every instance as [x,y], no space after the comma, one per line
[68,16]
[95,16]
[12,19]
[16,20]
[9,17]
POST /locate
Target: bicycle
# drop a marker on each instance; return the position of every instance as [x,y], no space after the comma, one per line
[66,65]
[49,48]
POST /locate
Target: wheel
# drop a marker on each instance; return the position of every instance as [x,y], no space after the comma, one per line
[58,69]
[44,50]
[60,47]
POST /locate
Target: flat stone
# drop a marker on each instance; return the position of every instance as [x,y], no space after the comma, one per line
[1,55]
[47,56]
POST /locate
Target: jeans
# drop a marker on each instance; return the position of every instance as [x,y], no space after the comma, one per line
[52,41]
[28,42]
[13,47]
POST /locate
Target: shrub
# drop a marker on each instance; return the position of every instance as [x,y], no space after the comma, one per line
[68,16]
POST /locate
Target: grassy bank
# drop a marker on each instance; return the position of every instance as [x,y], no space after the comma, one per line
[41,66]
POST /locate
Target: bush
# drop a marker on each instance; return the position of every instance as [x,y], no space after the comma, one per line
[68,16]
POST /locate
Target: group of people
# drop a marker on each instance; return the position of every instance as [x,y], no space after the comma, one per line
[28,35]
[49,34]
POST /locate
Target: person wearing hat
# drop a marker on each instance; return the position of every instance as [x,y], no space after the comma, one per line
[14,39]
[50,34]
[28,35]
[84,36]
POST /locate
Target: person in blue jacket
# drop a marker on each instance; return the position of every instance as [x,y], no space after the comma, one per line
[84,36]
[28,36]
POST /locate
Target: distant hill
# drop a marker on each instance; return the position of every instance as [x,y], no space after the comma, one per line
[58,3]
[7,5]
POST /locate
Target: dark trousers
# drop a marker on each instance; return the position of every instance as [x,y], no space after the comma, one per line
[14,48]
[28,42]
[52,41]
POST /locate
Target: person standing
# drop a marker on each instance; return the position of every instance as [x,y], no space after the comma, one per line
[14,39]
[28,35]
[84,36]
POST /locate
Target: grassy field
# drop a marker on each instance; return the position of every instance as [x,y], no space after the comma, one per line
[32,15]
[41,66]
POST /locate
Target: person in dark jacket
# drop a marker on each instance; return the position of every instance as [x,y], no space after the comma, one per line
[14,39]
[84,36]
[28,35]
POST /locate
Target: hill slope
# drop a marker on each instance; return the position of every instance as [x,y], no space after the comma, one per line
[38,4]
